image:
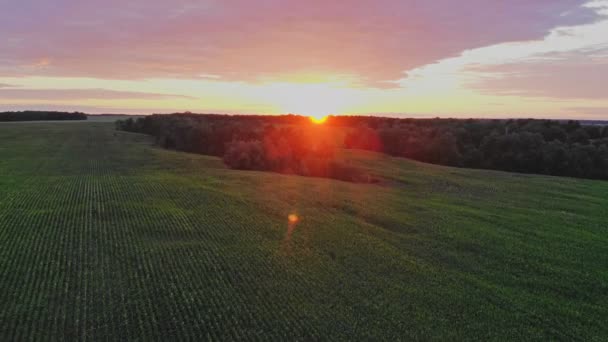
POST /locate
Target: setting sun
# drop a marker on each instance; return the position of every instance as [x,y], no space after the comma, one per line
[303,170]
[318,119]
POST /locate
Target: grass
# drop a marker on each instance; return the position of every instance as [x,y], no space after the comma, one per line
[104,236]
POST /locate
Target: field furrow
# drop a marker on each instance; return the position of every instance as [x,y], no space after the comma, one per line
[105,237]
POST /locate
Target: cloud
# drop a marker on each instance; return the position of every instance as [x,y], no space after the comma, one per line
[571,76]
[4,85]
[568,62]
[110,109]
[81,94]
[243,40]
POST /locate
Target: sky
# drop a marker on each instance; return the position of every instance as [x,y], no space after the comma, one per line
[410,58]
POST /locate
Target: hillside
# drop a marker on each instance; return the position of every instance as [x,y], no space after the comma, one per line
[104,235]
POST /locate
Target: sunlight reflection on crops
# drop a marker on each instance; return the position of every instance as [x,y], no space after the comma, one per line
[292,222]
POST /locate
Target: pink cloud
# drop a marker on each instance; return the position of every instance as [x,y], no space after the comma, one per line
[570,76]
[80,94]
[375,41]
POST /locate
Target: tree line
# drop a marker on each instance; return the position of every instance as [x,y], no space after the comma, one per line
[288,143]
[560,148]
[41,116]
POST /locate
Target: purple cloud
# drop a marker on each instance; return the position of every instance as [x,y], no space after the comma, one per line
[80,94]
[570,76]
[251,40]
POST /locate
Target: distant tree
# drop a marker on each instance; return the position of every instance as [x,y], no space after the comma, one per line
[579,136]
[41,116]
[555,158]
[284,143]
[245,155]
[594,132]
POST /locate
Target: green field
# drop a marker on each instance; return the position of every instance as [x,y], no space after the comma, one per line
[104,236]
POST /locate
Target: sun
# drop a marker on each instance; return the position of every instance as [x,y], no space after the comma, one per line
[318,118]
[314,100]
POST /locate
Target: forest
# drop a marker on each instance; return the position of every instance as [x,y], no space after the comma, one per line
[288,144]
[31,115]
[293,144]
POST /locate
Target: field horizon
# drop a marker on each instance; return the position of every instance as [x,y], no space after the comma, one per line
[378,115]
[386,170]
[108,236]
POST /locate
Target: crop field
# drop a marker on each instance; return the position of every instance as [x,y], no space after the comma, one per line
[104,236]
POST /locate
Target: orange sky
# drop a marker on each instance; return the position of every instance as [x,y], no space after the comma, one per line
[482,58]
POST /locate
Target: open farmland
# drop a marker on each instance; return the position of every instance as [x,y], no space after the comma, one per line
[105,236]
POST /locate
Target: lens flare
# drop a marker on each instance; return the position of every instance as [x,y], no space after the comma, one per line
[293,218]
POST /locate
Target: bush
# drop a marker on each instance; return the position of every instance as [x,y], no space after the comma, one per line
[246,155]
[277,156]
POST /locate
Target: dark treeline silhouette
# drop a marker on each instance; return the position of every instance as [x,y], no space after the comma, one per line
[41,116]
[525,145]
[286,144]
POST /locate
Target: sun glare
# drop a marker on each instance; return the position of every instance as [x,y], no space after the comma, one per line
[318,119]
[313,99]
